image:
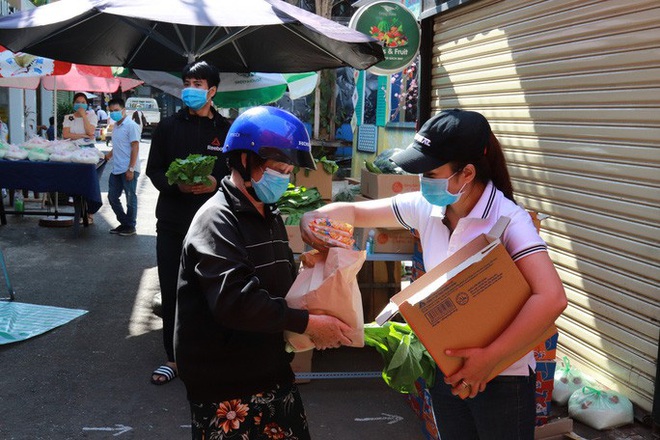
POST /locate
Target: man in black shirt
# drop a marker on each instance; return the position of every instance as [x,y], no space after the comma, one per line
[236,269]
[195,129]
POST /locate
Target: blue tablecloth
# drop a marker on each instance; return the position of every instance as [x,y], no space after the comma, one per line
[74,179]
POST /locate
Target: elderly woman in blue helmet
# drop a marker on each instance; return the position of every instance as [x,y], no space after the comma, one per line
[465,188]
[236,269]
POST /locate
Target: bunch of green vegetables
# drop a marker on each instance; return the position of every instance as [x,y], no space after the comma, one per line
[296,201]
[328,165]
[382,163]
[405,357]
[192,170]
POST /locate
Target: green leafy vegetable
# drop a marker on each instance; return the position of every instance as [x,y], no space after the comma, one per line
[405,357]
[192,170]
[296,201]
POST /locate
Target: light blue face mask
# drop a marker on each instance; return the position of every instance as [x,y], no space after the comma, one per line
[77,106]
[194,98]
[271,186]
[116,115]
[436,193]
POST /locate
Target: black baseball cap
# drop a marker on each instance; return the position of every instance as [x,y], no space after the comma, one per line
[449,136]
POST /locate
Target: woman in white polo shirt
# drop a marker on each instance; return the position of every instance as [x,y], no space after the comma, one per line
[81,124]
[465,188]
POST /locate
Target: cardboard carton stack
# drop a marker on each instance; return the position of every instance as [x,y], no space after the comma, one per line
[318,179]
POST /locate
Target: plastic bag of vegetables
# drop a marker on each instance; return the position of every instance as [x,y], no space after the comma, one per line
[192,170]
[406,359]
[38,154]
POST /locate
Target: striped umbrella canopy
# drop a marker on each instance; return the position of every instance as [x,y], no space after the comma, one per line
[238,90]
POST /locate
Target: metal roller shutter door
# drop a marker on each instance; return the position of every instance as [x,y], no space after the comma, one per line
[572,91]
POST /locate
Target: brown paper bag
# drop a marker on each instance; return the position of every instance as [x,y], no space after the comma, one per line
[329,288]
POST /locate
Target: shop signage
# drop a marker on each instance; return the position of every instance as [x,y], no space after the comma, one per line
[396,27]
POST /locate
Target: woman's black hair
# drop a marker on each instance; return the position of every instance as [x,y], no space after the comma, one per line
[78,95]
[202,70]
[490,166]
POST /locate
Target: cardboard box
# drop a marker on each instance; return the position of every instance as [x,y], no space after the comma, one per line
[296,242]
[555,430]
[378,186]
[318,179]
[387,241]
[477,288]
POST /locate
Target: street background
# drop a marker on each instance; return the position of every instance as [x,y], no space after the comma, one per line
[90,377]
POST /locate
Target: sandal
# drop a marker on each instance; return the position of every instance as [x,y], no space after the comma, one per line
[165,372]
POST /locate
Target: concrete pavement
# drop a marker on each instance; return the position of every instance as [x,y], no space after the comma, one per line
[90,378]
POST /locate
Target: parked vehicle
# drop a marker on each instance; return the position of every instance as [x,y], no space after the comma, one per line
[148,107]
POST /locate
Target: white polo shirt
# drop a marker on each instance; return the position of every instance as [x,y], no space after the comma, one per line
[520,237]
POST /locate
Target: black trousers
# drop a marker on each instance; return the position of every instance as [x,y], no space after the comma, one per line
[168,255]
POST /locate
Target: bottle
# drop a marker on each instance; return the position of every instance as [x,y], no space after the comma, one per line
[19,205]
[369,245]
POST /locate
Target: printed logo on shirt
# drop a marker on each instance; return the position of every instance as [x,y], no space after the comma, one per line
[216,142]
[214,148]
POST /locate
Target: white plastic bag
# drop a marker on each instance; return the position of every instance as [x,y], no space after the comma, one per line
[568,380]
[600,409]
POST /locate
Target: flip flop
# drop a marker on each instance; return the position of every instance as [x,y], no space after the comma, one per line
[164,371]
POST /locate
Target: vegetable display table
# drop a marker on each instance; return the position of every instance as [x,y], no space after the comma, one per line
[80,181]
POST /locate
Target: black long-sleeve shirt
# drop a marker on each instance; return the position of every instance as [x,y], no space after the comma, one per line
[236,268]
[176,137]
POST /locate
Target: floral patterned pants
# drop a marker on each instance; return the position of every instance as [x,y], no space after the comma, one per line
[271,415]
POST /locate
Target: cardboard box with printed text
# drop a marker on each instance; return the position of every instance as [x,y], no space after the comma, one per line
[378,186]
[466,301]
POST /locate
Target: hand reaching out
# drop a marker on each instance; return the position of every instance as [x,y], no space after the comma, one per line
[326,331]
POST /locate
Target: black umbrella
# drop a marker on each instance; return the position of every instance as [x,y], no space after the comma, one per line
[234,35]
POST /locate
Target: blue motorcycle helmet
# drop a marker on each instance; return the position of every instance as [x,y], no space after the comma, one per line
[270,133]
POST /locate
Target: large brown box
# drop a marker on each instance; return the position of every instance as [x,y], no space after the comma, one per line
[318,179]
[378,186]
[388,241]
[466,301]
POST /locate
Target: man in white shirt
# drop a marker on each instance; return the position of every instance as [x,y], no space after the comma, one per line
[125,168]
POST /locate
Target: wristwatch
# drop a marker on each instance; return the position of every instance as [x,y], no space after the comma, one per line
[131,169]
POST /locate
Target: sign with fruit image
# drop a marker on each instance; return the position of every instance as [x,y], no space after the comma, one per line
[396,27]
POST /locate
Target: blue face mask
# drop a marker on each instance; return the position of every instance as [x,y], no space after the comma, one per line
[116,115]
[77,106]
[436,193]
[194,98]
[271,186]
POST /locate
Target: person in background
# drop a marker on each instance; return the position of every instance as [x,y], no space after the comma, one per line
[139,118]
[4,132]
[465,188]
[50,131]
[125,168]
[196,129]
[236,269]
[101,115]
[81,124]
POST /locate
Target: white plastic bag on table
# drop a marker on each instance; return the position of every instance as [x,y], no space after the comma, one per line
[329,288]
[568,380]
[600,409]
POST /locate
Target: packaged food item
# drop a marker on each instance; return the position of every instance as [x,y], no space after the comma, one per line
[600,409]
[568,380]
[332,232]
